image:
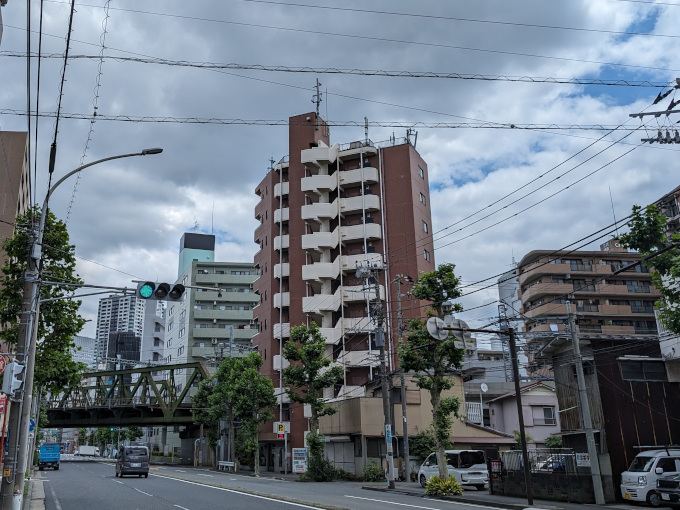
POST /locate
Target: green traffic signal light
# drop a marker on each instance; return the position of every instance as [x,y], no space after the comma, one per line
[112,429]
[146,291]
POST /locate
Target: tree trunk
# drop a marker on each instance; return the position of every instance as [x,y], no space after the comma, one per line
[256,461]
[435,399]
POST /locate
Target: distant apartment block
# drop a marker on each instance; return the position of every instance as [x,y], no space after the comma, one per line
[117,314]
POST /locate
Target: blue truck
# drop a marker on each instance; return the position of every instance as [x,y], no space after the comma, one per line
[49,456]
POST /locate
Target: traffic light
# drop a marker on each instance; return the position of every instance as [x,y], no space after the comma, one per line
[10,381]
[160,291]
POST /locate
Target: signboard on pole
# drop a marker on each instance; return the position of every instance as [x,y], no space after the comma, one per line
[388,438]
[582,460]
[299,460]
[2,364]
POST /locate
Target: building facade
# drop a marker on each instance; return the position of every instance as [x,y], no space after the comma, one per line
[325,212]
[153,332]
[83,350]
[124,314]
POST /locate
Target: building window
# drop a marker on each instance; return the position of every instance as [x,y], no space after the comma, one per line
[180,351]
[643,370]
[544,415]
[425,227]
[171,325]
[181,333]
[423,200]
[426,254]
[421,172]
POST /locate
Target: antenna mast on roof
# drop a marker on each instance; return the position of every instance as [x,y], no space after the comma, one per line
[316,98]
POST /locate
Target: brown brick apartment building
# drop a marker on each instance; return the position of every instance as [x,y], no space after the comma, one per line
[325,210]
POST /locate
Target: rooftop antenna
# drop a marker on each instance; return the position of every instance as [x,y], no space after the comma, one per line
[195,226]
[613,212]
[316,98]
[271,163]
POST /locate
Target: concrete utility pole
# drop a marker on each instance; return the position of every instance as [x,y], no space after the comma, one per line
[585,412]
[375,312]
[400,317]
[13,485]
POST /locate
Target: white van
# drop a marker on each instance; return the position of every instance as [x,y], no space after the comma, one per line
[639,482]
[468,467]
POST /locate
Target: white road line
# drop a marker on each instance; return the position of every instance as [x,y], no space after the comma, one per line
[199,474]
[181,507]
[144,492]
[180,471]
[422,507]
[300,505]
[56,501]
[117,481]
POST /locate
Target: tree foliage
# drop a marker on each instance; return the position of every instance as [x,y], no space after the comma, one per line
[647,237]
[310,371]
[59,320]
[433,361]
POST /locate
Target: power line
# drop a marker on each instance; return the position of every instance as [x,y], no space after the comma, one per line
[363,72]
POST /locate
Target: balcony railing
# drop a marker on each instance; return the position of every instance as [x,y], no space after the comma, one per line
[581,267]
[590,328]
[587,308]
[641,309]
[640,289]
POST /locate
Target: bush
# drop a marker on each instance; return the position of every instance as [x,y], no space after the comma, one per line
[373,473]
[438,487]
[341,474]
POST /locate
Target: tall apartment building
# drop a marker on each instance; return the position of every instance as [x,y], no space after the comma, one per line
[117,314]
[208,325]
[604,303]
[15,179]
[326,210]
[153,332]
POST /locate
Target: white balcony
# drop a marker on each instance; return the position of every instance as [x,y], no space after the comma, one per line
[351,262]
[281,270]
[322,303]
[359,358]
[285,244]
[352,204]
[321,155]
[280,186]
[321,270]
[278,214]
[358,325]
[332,335]
[360,293]
[318,184]
[320,240]
[281,299]
[282,328]
[370,176]
[319,211]
[281,395]
[354,232]
[276,361]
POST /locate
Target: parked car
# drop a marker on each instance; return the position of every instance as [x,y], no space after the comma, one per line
[558,463]
[468,467]
[132,460]
[638,484]
[668,487]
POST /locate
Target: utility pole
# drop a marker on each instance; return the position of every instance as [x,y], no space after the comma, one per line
[400,318]
[376,315]
[585,412]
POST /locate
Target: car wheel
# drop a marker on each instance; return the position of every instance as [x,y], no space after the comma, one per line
[653,499]
[423,481]
[146,475]
[116,474]
[56,468]
[41,468]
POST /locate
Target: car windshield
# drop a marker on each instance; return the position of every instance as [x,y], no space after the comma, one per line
[641,464]
[135,451]
[465,459]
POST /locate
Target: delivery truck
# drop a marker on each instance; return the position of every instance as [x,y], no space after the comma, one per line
[49,456]
[88,450]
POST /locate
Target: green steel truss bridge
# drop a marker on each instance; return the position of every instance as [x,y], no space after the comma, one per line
[133,396]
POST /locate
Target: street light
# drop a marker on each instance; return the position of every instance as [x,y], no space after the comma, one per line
[13,486]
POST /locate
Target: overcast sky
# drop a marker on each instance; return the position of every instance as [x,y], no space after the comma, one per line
[126,217]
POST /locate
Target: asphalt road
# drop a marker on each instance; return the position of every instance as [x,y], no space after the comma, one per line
[92,485]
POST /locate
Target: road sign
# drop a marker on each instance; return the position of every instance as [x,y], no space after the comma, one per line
[31,425]
[388,438]
[2,364]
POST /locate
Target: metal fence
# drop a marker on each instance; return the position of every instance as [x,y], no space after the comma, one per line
[558,460]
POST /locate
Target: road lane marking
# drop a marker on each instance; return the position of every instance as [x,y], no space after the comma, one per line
[56,501]
[257,496]
[199,474]
[180,471]
[422,507]
[181,507]
[118,481]
[143,492]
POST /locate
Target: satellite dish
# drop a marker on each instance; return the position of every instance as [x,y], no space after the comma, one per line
[484,387]
[434,328]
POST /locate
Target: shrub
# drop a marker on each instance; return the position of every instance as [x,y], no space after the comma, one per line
[341,474]
[373,473]
[438,487]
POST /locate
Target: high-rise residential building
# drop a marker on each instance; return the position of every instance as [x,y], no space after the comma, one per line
[605,303]
[15,179]
[214,318]
[153,332]
[326,211]
[83,350]
[117,314]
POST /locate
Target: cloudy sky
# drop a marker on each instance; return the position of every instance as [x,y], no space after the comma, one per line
[126,217]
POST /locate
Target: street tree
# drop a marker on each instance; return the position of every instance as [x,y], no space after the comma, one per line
[59,320]
[133,433]
[433,361]
[647,236]
[306,378]
[252,397]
